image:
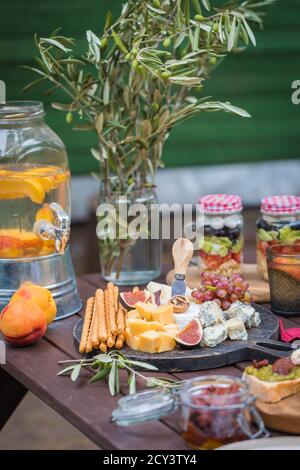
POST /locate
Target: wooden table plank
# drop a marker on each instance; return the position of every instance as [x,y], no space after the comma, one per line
[12,392]
[86,407]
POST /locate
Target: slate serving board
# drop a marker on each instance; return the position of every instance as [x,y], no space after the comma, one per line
[261,344]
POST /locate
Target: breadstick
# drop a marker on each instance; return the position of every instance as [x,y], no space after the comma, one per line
[111,309]
[116,298]
[95,326]
[110,341]
[120,341]
[99,303]
[120,321]
[89,343]
[86,324]
[103,347]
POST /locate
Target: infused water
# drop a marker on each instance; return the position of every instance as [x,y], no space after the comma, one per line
[26,191]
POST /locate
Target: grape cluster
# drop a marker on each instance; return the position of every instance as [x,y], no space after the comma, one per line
[222,289]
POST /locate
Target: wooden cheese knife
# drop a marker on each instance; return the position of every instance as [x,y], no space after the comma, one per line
[182,252]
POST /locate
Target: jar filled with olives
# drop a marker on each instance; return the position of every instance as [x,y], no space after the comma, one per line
[222,246]
[279,224]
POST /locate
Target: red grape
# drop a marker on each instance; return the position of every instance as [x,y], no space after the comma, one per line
[244,285]
[210,295]
[222,289]
[221,293]
[226,305]
[238,291]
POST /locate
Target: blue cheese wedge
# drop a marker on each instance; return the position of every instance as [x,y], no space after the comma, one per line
[243,311]
[210,314]
[256,321]
[236,329]
[214,335]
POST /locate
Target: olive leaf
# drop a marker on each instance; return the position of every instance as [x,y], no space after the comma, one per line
[132,384]
[75,372]
[112,378]
[109,365]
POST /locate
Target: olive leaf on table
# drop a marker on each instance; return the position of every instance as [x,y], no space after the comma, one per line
[109,365]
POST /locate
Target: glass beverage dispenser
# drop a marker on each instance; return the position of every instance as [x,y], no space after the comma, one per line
[34,207]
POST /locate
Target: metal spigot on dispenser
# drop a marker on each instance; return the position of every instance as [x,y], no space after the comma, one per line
[34,207]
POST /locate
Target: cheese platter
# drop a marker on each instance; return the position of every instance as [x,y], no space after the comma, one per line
[181,327]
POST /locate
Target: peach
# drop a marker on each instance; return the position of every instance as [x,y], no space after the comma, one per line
[38,294]
[22,322]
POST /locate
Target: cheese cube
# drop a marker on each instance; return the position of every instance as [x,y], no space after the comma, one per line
[150,341]
[133,314]
[145,309]
[171,329]
[163,314]
[137,326]
[167,342]
[132,341]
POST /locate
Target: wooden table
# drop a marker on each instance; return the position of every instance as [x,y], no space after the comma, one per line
[87,407]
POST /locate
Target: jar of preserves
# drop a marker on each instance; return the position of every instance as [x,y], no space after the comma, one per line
[279,223]
[215,410]
[222,245]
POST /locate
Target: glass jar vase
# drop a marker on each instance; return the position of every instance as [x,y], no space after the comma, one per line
[130,252]
[222,248]
[279,223]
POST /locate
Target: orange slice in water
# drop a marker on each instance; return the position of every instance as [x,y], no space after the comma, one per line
[27,188]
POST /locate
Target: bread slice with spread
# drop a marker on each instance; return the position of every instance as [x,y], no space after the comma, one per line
[271,383]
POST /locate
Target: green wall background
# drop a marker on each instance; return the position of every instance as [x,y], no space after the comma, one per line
[259,80]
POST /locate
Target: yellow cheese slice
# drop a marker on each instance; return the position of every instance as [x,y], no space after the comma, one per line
[145,309]
[137,326]
[171,328]
[132,341]
[163,314]
[167,342]
[133,314]
[150,341]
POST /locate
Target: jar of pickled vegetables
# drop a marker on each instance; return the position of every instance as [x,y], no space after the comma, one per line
[279,223]
[222,245]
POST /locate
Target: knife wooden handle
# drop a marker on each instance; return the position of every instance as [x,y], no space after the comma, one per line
[182,252]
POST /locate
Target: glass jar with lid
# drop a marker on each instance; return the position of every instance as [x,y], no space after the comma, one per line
[222,247]
[215,410]
[279,223]
[34,183]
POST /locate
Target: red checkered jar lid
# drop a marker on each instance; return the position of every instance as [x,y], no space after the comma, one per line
[280,205]
[221,203]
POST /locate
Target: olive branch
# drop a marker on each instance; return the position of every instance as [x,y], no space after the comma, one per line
[109,366]
[142,76]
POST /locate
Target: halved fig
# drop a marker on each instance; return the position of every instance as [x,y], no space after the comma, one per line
[129,299]
[191,335]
